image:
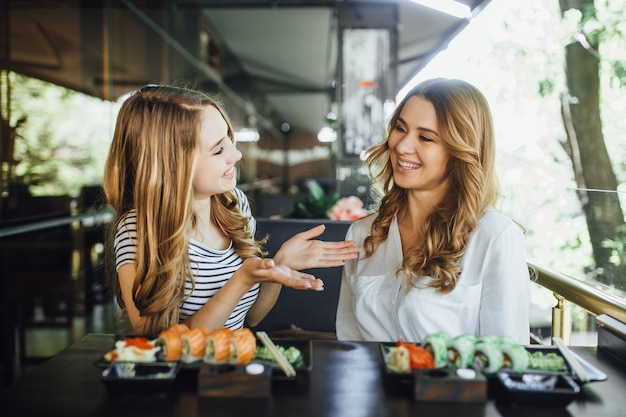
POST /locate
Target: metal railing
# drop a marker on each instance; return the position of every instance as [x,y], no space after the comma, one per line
[583,294]
[88,218]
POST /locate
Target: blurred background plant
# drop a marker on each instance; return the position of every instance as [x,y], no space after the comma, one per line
[347,208]
[316,204]
[319,205]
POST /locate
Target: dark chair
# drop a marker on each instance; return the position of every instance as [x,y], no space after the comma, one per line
[297,313]
[92,198]
[42,273]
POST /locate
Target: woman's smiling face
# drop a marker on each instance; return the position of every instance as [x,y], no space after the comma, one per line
[216,156]
[419,156]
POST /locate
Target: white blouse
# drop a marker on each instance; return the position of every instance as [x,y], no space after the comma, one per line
[492,295]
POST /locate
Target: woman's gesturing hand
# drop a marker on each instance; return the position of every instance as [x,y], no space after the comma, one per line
[266,270]
[302,252]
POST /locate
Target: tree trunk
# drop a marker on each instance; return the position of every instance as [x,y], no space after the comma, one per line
[590,159]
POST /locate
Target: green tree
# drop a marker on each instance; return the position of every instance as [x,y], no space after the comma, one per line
[61,144]
[585,140]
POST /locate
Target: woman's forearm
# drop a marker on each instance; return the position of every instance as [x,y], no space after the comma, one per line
[218,308]
[268,296]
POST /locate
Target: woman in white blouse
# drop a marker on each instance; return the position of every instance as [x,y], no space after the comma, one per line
[436,255]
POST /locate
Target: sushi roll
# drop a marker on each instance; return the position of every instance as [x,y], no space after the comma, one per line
[515,357]
[489,355]
[194,344]
[179,328]
[170,345]
[218,346]
[243,345]
[461,351]
[437,345]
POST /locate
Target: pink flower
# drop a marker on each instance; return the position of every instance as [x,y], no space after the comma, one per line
[347,208]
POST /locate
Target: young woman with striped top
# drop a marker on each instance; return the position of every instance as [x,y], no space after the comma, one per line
[184,235]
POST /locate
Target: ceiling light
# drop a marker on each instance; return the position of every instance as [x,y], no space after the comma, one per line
[451,7]
[247,135]
[327,134]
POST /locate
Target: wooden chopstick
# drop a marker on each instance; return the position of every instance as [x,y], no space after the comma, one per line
[277,354]
[571,359]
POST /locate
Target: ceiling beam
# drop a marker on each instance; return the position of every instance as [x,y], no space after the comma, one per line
[231,4]
[205,70]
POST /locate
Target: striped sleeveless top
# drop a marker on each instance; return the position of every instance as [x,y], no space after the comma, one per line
[210,268]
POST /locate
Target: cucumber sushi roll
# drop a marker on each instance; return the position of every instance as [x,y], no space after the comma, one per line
[437,345]
[489,355]
[461,351]
[516,357]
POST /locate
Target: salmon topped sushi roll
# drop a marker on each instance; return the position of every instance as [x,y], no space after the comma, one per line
[218,346]
[179,328]
[194,344]
[170,343]
[244,346]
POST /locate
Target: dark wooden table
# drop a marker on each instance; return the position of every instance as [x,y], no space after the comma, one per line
[347,379]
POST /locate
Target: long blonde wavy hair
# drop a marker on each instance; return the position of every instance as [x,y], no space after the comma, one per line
[466,128]
[149,169]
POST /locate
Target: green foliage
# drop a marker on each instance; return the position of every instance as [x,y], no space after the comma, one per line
[617,246]
[546,87]
[602,27]
[619,73]
[62,140]
[315,205]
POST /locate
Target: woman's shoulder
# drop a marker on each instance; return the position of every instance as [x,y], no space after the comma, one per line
[242,202]
[364,222]
[362,226]
[494,223]
[128,220]
[241,196]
